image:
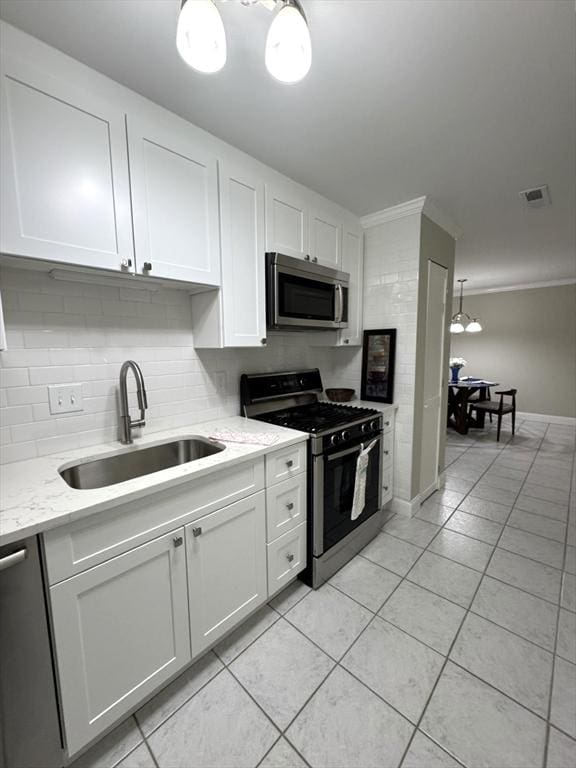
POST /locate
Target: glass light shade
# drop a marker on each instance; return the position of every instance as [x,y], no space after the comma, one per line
[456,327]
[474,326]
[288,46]
[200,36]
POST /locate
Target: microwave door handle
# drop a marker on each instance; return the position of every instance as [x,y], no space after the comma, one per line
[339,304]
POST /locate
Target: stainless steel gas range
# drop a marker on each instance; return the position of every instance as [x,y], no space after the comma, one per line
[338,433]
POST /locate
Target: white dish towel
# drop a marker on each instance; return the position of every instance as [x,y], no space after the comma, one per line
[359,501]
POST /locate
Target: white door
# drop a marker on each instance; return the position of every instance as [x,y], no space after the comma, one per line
[243,257]
[325,239]
[353,263]
[286,221]
[64,173]
[226,568]
[174,185]
[121,629]
[433,375]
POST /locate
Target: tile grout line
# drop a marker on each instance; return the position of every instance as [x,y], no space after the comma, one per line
[549,725]
[457,634]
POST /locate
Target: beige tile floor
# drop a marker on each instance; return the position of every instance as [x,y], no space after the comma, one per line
[451,640]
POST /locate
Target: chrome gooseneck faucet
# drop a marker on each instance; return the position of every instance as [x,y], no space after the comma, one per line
[126,423]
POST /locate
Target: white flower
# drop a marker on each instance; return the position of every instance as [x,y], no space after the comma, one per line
[457,362]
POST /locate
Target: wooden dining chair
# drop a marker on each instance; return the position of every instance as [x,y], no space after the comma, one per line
[499,408]
[476,399]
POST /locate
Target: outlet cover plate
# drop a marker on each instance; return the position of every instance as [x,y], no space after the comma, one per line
[65,398]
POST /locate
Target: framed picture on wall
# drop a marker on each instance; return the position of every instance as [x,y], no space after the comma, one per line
[378,355]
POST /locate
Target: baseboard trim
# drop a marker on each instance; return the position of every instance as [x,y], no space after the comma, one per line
[409,508]
[569,420]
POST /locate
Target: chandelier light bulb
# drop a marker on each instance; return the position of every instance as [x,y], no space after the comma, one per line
[474,326]
[200,36]
[288,46]
[456,327]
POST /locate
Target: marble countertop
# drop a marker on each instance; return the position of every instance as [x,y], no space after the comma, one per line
[35,498]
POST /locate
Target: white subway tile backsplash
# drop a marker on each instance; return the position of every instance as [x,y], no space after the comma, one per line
[59,337]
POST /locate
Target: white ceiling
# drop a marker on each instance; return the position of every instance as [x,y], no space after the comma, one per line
[468,101]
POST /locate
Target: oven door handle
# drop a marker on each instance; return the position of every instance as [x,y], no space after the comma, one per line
[339,308]
[356,449]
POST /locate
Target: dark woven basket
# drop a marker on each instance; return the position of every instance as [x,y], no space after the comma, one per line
[340,395]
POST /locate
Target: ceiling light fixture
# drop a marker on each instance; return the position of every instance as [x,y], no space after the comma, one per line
[201,39]
[461,321]
[200,36]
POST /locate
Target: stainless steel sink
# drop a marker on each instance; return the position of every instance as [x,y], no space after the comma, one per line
[110,470]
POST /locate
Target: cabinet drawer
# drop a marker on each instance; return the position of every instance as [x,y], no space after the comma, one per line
[284,464]
[286,558]
[387,487]
[285,506]
[387,449]
[92,540]
[387,422]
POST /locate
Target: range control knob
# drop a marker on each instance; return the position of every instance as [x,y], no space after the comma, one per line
[345,435]
[365,427]
[375,424]
[335,439]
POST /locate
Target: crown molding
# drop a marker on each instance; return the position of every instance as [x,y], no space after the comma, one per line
[420,205]
[521,287]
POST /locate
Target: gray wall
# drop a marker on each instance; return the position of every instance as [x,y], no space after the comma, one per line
[528,342]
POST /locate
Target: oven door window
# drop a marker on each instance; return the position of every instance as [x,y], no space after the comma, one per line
[304,298]
[339,481]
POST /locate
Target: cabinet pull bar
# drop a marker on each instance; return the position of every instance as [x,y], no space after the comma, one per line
[290,505]
[290,557]
[177,540]
[289,463]
[197,531]
[13,559]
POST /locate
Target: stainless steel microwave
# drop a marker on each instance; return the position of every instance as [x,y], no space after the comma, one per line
[303,295]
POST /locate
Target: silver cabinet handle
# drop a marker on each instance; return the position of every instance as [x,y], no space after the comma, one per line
[177,541]
[289,463]
[387,423]
[289,557]
[197,531]
[386,487]
[147,266]
[315,259]
[13,559]
[386,453]
[126,263]
[307,257]
[290,506]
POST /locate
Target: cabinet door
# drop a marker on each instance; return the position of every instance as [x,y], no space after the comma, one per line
[243,257]
[286,221]
[175,203]
[121,629]
[226,568]
[325,239]
[353,263]
[64,179]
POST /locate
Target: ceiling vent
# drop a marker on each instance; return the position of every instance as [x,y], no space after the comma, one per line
[538,197]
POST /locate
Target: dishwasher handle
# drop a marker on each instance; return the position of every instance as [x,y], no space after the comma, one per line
[16,557]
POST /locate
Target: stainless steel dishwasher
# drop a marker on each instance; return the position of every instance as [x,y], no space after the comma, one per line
[30,734]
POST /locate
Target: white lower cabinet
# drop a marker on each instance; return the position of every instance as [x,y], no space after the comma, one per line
[226,554]
[120,629]
[286,558]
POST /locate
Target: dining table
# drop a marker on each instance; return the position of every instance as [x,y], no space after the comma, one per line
[459,394]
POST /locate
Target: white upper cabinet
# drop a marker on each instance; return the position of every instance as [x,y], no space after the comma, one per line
[175,202]
[287,221]
[325,238]
[64,172]
[226,553]
[121,630]
[235,316]
[353,263]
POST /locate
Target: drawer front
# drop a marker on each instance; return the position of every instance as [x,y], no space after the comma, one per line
[387,487]
[286,463]
[73,548]
[387,422]
[286,558]
[285,506]
[387,449]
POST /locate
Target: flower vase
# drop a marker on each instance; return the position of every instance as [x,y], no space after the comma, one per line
[455,374]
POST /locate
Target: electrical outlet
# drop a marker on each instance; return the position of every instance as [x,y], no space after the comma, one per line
[65,398]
